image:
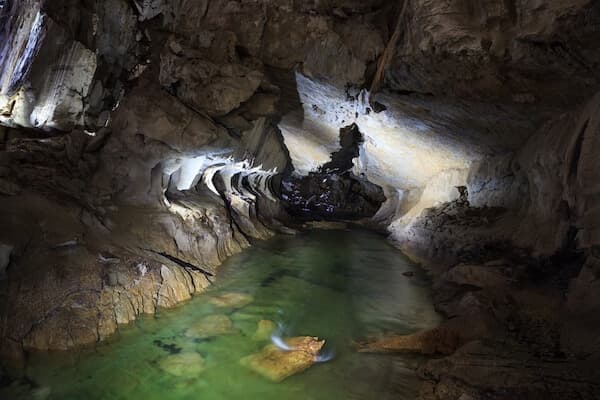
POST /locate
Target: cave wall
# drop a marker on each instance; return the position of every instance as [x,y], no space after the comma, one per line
[539,190]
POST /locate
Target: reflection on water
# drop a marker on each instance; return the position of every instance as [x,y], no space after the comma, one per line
[336,285]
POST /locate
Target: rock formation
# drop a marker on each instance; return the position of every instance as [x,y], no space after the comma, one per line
[143,142]
[277,365]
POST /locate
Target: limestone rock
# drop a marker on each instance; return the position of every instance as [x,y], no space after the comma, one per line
[185,365]
[176,286]
[50,56]
[156,116]
[277,365]
[212,325]
[215,88]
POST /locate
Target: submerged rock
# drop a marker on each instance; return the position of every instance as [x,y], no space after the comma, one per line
[276,364]
[232,300]
[186,365]
[440,340]
[213,325]
[264,330]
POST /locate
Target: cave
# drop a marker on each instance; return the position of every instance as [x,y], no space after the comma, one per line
[299,199]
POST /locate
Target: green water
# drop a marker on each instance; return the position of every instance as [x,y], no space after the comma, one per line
[337,285]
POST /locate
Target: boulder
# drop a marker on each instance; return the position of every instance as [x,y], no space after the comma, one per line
[213,325]
[187,365]
[276,364]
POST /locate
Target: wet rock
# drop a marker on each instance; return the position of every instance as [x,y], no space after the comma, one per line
[438,340]
[231,300]
[276,364]
[213,325]
[186,365]
[264,330]
[176,286]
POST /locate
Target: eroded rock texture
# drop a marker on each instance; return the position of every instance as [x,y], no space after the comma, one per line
[145,141]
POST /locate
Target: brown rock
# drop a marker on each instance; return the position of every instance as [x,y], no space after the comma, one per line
[276,364]
[438,340]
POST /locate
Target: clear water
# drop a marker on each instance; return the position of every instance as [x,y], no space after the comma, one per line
[337,285]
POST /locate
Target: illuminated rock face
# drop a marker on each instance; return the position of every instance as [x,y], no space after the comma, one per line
[29,46]
[50,55]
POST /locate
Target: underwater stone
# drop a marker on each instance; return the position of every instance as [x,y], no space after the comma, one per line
[186,365]
[232,300]
[276,364]
[213,325]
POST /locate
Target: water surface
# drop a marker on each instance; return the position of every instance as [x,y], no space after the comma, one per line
[337,285]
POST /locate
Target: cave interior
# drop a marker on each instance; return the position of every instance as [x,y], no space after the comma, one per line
[145,142]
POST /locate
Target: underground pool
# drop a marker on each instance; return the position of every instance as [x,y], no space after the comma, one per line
[339,286]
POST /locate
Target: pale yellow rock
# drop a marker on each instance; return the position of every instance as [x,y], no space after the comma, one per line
[264,330]
[276,364]
[186,365]
[213,325]
[232,300]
